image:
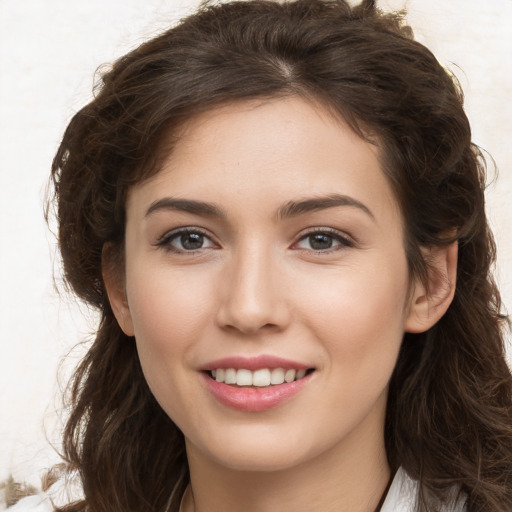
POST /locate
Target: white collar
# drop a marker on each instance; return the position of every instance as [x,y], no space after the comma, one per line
[402,496]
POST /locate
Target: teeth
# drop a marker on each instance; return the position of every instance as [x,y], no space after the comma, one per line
[289,376]
[244,378]
[230,377]
[260,378]
[277,376]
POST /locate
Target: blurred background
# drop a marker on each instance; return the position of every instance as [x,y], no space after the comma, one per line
[49,53]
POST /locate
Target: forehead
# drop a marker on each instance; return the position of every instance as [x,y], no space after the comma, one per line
[281,148]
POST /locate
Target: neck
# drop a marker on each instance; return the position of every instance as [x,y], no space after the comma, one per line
[350,477]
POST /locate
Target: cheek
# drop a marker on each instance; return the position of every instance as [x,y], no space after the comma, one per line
[169,312]
[167,303]
[360,314]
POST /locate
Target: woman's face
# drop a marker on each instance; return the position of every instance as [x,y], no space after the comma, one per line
[269,246]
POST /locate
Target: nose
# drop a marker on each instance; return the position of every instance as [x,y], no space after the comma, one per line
[253,295]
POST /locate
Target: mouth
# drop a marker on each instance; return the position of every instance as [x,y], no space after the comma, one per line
[259,378]
[256,384]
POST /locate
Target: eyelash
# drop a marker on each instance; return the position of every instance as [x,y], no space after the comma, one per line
[343,240]
[165,242]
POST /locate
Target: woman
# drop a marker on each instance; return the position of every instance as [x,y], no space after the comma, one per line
[279,213]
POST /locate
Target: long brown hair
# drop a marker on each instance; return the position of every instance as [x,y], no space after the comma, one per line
[449,416]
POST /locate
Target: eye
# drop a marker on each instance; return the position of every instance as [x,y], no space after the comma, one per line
[185,240]
[323,240]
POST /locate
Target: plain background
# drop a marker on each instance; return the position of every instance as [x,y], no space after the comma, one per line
[49,51]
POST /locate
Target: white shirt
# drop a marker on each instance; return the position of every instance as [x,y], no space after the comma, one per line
[37,503]
[402,496]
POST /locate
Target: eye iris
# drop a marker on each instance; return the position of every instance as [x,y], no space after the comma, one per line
[320,241]
[192,241]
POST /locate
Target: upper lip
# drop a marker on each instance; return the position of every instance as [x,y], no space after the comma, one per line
[254,363]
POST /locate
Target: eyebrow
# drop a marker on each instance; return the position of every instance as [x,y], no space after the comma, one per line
[288,210]
[186,205]
[296,208]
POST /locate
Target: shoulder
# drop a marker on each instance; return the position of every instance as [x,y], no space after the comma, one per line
[36,503]
[402,496]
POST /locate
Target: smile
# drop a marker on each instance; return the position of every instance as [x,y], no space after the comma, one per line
[255,384]
[262,377]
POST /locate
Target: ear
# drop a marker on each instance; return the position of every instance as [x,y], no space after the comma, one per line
[114,280]
[429,301]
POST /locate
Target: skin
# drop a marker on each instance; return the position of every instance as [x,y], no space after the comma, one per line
[258,284]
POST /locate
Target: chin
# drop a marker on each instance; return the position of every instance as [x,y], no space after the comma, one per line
[258,448]
[257,459]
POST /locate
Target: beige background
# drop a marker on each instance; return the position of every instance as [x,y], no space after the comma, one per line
[49,50]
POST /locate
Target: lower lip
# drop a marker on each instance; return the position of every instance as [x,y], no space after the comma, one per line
[254,399]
